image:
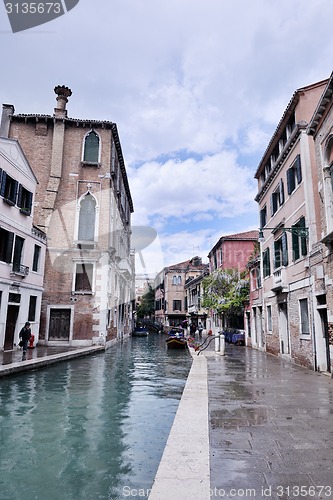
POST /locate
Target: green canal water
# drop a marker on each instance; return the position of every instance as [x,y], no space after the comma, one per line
[91,428]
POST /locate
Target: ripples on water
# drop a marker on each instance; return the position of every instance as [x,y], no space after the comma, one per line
[91,428]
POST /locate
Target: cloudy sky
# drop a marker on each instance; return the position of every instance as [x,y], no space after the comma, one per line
[196,89]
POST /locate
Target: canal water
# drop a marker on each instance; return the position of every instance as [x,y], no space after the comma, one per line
[91,428]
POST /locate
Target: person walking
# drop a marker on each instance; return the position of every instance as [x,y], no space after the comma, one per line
[25,335]
[200,329]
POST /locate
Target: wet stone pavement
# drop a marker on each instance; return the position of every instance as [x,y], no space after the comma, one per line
[271,427]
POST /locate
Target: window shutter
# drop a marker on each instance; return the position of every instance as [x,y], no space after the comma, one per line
[19,196]
[9,248]
[281,192]
[15,189]
[295,246]
[284,250]
[263,217]
[271,202]
[3,183]
[290,180]
[304,248]
[29,201]
[277,255]
[266,263]
[298,169]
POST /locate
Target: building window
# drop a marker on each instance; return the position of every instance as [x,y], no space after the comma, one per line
[269,319]
[32,308]
[281,252]
[266,263]
[9,187]
[91,148]
[176,280]
[84,277]
[294,175]
[35,262]
[256,278]
[177,305]
[17,258]
[299,243]
[24,200]
[6,245]
[221,257]
[277,198]
[304,317]
[263,216]
[87,218]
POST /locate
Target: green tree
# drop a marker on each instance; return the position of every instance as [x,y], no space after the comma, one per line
[146,308]
[225,291]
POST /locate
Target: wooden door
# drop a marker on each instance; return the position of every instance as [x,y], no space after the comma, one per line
[59,327]
[12,314]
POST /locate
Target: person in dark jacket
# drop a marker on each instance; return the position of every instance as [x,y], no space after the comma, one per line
[25,335]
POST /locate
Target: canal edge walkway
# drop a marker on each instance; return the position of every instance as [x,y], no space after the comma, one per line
[184,469]
[42,357]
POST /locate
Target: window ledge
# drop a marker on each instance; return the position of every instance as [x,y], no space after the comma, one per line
[25,211]
[91,164]
[9,202]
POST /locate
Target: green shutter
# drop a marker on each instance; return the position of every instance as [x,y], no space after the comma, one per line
[290,180]
[19,196]
[9,248]
[284,250]
[295,245]
[298,169]
[3,183]
[304,248]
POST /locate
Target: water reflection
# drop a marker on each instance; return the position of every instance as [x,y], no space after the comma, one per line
[88,428]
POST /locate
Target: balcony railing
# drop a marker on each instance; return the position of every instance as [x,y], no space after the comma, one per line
[20,270]
[279,280]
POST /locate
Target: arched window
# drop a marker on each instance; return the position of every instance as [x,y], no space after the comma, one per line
[174,280]
[179,280]
[91,148]
[87,218]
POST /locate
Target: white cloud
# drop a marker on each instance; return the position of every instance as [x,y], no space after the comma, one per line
[192,189]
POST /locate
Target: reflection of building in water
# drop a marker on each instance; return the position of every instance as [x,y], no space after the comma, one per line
[84,205]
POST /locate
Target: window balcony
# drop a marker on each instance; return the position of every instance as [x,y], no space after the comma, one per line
[20,270]
[279,280]
[125,268]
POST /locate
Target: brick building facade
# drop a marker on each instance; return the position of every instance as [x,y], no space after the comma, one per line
[83,204]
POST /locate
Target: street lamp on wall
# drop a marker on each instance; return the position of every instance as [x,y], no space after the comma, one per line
[303,232]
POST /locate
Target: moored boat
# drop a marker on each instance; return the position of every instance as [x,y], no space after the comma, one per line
[176,339]
[140,331]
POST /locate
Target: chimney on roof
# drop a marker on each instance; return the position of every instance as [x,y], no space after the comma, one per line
[7,112]
[196,261]
[62,99]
